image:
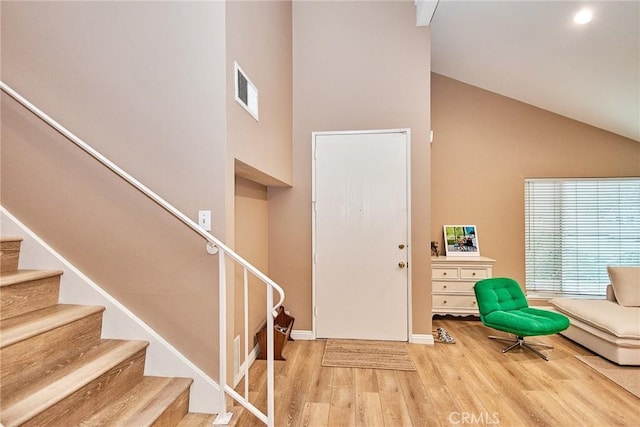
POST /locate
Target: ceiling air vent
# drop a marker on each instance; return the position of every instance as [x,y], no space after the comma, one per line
[246,92]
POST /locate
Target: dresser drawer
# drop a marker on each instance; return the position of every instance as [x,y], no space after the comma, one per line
[453,287]
[453,279]
[444,273]
[454,301]
[473,273]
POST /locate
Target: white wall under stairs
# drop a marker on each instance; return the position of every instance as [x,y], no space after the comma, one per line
[118,322]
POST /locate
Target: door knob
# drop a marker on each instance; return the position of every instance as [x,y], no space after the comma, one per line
[401,246]
[401,264]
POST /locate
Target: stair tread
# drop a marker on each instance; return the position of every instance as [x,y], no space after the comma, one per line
[49,390]
[142,404]
[196,420]
[66,385]
[30,324]
[21,276]
[10,239]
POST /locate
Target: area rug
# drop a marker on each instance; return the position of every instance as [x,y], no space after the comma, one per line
[367,354]
[627,377]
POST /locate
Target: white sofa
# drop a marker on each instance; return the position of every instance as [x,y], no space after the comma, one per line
[609,327]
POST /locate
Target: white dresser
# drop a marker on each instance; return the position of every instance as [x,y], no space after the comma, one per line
[452,283]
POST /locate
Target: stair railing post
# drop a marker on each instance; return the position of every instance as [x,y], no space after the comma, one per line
[246,334]
[270,364]
[222,270]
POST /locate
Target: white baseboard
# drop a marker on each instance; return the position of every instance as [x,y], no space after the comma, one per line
[422,339]
[302,335]
[118,322]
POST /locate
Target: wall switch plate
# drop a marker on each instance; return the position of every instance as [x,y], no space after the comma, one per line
[204,220]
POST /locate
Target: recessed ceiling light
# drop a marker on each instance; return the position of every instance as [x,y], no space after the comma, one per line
[583,17]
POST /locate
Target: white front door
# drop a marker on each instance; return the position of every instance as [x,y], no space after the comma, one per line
[361,235]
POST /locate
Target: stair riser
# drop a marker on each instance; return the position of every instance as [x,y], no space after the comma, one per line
[94,395]
[28,296]
[9,256]
[39,355]
[175,412]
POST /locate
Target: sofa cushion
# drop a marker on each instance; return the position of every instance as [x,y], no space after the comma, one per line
[625,282]
[608,316]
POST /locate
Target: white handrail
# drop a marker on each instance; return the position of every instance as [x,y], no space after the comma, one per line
[142,188]
[212,243]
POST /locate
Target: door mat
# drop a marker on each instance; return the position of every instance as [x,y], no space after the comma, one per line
[367,354]
[627,377]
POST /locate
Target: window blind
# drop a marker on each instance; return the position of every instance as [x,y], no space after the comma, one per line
[575,228]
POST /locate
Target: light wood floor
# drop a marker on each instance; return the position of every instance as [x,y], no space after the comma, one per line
[468,383]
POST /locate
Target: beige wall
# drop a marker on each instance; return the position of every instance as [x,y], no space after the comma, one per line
[144,83]
[485,145]
[158,100]
[252,242]
[357,66]
[150,97]
[259,40]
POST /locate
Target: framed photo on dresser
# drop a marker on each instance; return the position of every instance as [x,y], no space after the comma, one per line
[461,240]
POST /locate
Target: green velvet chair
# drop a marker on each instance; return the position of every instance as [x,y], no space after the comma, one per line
[503,306]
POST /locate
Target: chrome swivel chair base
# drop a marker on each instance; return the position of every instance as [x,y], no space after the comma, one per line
[520,342]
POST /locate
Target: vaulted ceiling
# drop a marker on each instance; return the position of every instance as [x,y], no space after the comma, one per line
[532,51]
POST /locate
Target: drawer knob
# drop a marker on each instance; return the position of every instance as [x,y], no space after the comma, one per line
[473,274]
[445,301]
[444,287]
[444,274]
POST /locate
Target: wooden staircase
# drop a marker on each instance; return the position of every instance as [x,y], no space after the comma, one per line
[56,370]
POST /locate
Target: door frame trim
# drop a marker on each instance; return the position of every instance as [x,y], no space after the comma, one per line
[407,133]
